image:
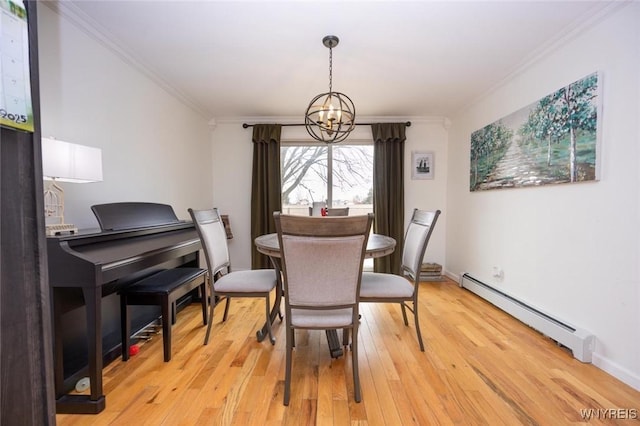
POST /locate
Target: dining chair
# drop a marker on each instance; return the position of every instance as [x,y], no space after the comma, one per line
[338,211]
[224,283]
[322,268]
[392,288]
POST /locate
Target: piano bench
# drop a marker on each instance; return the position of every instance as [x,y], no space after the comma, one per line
[163,289]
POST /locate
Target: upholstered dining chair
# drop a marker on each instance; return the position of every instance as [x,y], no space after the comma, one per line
[224,283]
[338,211]
[391,288]
[322,268]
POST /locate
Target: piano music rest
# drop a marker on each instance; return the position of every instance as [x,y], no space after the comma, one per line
[163,289]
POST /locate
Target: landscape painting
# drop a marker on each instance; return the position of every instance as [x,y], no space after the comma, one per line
[554,140]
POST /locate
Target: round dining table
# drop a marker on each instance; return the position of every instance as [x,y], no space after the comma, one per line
[268,244]
[377,245]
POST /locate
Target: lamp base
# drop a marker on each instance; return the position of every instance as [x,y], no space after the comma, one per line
[58,229]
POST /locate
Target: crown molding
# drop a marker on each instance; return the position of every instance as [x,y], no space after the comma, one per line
[89,26]
[596,14]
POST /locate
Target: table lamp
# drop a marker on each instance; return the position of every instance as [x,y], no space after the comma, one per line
[66,162]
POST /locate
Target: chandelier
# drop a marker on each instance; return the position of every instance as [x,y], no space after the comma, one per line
[330,117]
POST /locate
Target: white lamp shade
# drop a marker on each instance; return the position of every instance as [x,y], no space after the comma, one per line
[69,162]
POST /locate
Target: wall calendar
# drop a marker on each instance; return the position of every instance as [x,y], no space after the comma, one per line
[16,110]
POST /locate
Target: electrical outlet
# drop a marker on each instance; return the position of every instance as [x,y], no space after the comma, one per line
[498,272]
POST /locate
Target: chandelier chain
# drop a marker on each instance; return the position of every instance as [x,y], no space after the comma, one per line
[330,69]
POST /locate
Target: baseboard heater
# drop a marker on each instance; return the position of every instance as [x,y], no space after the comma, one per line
[579,341]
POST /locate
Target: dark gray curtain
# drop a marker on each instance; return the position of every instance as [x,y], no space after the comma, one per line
[388,190]
[266,196]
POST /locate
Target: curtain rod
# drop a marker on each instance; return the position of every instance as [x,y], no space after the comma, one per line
[245,125]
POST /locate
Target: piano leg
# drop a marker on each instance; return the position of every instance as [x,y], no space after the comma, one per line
[58,343]
[93,298]
[95,402]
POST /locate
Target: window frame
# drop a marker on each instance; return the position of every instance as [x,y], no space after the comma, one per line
[307,142]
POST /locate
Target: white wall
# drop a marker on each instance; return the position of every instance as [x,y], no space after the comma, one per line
[428,135]
[571,250]
[154,147]
[232,163]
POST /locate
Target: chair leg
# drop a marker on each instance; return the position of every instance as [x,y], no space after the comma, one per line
[280,288]
[287,374]
[404,313]
[415,317]
[167,309]
[354,361]
[203,301]
[125,327]
[345,337]
[210,322]
[226,308]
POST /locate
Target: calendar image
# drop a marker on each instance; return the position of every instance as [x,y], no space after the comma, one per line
[16,110]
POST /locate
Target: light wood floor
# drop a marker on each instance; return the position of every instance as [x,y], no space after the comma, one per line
[480,367]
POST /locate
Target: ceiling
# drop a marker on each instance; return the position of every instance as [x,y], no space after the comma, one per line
[231,59]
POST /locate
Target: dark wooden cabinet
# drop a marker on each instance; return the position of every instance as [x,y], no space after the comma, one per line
[26,355]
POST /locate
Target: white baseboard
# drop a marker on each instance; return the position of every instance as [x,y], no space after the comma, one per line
[627,377]
[620,373]
[451,276]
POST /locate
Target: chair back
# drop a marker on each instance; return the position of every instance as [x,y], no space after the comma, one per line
[416,240]
[322,259]
[338,211]
[213,238]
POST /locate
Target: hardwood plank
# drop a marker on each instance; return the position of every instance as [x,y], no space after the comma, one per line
[480,366]
[325,394]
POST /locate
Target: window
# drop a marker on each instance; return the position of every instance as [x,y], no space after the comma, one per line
[339,175]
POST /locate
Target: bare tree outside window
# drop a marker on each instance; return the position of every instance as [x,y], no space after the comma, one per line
[338,175]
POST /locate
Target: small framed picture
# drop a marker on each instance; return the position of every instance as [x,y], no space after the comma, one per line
[422,164]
